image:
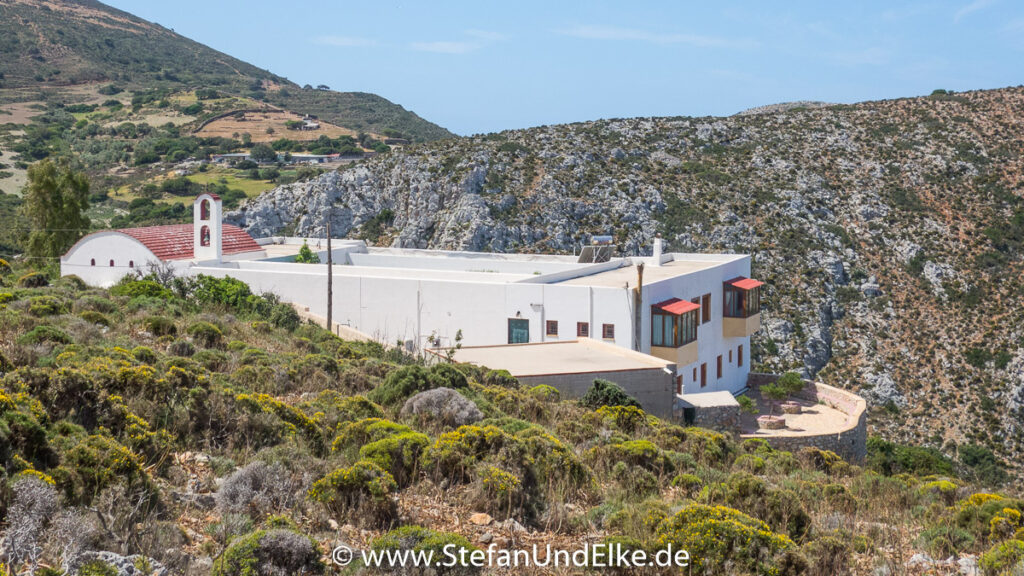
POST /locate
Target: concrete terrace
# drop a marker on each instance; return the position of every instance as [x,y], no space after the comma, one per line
[583,355]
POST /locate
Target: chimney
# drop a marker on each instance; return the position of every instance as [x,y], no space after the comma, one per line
[658,247]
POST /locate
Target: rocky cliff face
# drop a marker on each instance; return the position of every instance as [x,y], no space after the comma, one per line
[890,233]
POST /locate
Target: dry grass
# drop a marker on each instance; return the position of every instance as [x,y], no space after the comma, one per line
[257,123]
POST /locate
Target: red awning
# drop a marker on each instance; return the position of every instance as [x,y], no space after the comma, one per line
[745,283]
[677,306]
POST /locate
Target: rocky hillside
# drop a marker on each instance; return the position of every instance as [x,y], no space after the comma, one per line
[49,47]
[890,233]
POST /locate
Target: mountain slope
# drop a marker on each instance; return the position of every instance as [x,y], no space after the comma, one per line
[47,43]
[891,233]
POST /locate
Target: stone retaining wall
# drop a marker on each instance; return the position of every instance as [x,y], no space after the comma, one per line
[850,438]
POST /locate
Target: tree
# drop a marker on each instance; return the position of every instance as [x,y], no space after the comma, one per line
[791,382]
[774,392]
[56,198]
[306,256]
[747,405]
[262,153]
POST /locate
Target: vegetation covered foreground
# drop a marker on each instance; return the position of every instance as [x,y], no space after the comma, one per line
[191,424]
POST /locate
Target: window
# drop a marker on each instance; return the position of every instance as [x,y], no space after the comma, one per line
[679,384]
[583,329]
[131,263]
[204,236]
[703,375]
[608,331]
[92,262]
[672,330]
[730,356]
[740,303]
[694,373]
[552,328]
[739,355]
[518,331]
[719,366]
[111,263]
[705,308]
[204,210]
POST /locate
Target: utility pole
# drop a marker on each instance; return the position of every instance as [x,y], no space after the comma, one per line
[330,280]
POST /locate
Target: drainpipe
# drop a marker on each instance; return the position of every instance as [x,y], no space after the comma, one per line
[638,300]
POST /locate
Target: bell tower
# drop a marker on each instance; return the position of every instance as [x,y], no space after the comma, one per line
[206,227]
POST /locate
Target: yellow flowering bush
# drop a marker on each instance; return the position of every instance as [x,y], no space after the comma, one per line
[717,536]
[361,494]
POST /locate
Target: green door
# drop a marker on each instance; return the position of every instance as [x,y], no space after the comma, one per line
[518,331]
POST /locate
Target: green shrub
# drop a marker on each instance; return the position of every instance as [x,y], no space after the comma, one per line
[132,288]
[501,378]
[337,409]
[823,461]
[398,454]
[181,348]
[95,462]
[943,489]
[260,327]
[545,393]
[160,326]
[6,297]
[273,551]
[605,393]
[945,540]
[360,494]
[423,540]
[45,333]
[34,280]
[285,317]
[46,306]
[445,375]
[687,482]
[980,464]
[719,536]
[829,554]
[401,384]
[628,419]
[306,255]
[1003,558]
[978,513]
[205,334]
[314,362]
[144,355]
[94,317]
[889,458]
[213,360]
[5,267]
[97,568]
[254,357]
[394,447]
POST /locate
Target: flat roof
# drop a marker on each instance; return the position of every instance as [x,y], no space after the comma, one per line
[709,399]
[580,356]
[680,264]
[494,267]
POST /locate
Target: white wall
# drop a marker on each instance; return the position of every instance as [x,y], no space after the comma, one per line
[102,247]
[392,309]
[710,342]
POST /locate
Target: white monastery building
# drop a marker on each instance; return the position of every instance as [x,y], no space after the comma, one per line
[694,313]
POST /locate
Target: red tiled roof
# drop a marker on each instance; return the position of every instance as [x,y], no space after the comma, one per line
[744,283]
[175,242]
[677,306]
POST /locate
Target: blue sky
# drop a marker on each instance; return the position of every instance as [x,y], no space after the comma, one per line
[480,66]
